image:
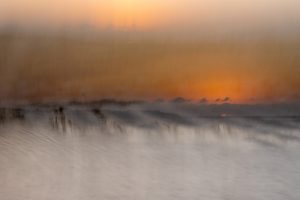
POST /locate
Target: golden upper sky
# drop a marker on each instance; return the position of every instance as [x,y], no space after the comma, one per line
[193,15]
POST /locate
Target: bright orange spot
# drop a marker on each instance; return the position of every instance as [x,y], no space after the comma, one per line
[220,89]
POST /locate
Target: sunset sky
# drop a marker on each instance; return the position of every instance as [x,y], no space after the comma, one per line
[154,14]
[53,50]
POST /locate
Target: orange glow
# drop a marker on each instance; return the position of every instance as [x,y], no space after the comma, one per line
[211,90]
[224,88]
[216,89]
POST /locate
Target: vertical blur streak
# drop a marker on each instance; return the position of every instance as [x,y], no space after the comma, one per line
[82,156]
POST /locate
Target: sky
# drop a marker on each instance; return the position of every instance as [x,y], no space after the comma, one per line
[248,51]
[167,15]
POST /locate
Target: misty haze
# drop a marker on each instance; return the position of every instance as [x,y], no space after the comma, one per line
[149,99]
